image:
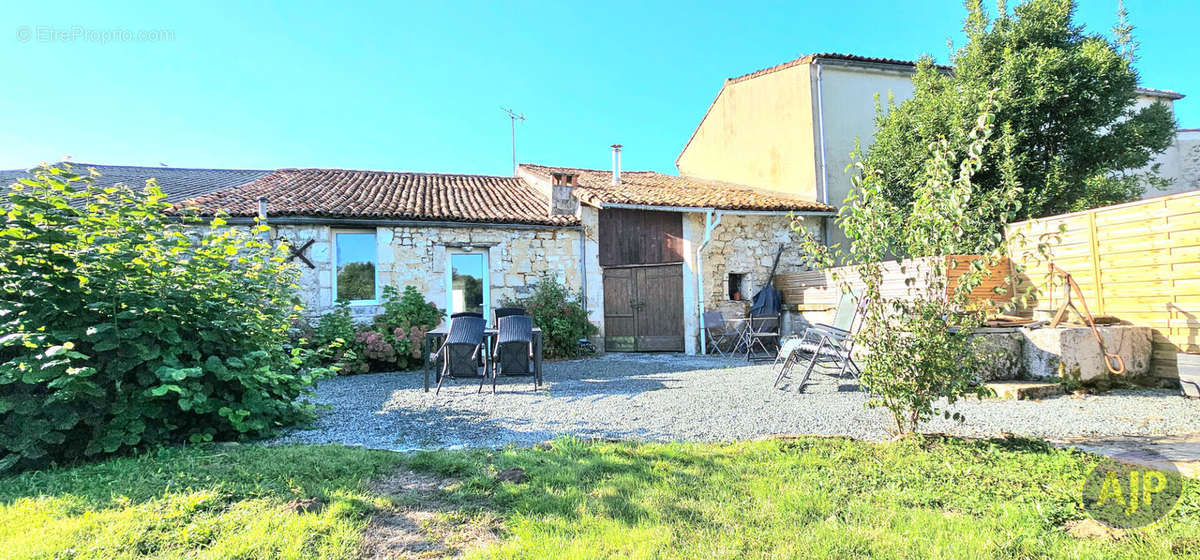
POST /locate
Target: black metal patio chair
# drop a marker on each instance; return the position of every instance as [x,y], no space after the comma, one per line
[512,353]
[502,312]
[460,354]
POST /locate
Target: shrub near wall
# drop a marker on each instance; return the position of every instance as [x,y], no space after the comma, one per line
[120,326]
[560,313]
[394,340]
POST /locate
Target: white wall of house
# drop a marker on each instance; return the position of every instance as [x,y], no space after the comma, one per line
[848,97]
[1180,163]
[594,278]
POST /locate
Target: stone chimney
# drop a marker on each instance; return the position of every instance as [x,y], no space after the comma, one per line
[561,200]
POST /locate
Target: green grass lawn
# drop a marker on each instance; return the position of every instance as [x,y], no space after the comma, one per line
[918,498]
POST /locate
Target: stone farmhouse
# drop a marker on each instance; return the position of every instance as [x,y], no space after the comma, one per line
[649,252]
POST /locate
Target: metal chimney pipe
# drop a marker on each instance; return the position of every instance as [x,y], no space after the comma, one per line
[616,164]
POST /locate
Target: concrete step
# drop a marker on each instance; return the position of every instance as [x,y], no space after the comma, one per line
[1024,390]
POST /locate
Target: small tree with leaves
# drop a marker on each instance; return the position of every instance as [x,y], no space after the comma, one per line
[920,348]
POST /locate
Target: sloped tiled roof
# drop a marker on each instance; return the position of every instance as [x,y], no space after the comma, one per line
[656,189]
[178,183]
[345,193]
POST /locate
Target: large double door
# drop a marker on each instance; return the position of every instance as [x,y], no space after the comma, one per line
[643,308]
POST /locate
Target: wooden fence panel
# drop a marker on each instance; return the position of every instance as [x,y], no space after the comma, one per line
[1138,261]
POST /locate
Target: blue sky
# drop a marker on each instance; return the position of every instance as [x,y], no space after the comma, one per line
[419,86]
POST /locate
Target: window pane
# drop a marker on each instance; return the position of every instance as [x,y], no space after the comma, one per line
[467,278]
[356,266]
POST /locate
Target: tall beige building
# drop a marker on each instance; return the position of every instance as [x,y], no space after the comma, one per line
[790,128]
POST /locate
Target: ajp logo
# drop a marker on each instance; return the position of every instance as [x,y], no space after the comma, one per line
[1128,495]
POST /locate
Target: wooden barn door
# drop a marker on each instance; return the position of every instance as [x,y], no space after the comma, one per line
[620,322]
[659,308]
[643,308]
[641,253]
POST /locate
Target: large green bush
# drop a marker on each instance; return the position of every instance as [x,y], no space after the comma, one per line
[560,313]
[121,325]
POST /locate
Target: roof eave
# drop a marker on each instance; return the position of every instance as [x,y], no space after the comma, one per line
[390,222]
[747,211]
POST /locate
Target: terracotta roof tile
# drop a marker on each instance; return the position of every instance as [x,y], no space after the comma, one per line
[656,189]
[343,193]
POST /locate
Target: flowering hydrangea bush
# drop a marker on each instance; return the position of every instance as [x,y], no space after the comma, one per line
[393,341]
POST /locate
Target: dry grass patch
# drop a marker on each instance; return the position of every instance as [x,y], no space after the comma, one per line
[421,523]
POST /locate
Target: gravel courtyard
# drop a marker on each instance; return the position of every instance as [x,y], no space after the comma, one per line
[662,397]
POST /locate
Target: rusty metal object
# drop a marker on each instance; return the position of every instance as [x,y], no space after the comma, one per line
[1086,317]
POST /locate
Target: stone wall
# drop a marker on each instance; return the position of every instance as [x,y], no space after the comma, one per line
[316,284]
[747,244]
[417,256]
[1069,352]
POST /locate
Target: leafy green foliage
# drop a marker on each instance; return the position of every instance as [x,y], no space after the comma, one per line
[920,347]
[393,341]
[332,341]
[1067,129]
[560,313]
[121,326]
[407,310]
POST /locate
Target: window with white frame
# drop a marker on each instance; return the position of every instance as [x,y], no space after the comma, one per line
[467,283]
[354,277]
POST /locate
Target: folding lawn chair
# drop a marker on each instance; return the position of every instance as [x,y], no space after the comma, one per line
[717,331]
[788,356]
[832,343]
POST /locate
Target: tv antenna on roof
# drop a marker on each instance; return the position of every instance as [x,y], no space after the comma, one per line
[514,116]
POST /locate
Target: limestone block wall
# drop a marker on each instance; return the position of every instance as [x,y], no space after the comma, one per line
[747,244]
[417,256]
[316,284]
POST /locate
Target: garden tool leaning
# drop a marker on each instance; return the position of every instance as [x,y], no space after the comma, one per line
[1070,286]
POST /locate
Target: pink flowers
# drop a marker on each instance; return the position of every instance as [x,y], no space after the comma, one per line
[375,347]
